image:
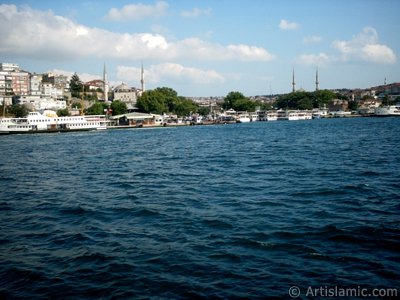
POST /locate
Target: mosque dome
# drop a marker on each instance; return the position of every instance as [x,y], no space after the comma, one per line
[123,87]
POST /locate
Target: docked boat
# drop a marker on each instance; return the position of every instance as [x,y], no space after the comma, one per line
[281,115]
[254,117]
[304,115]
[243,118]
[318,113]
[388,111]
[272,116]
[294,115]
[36,122]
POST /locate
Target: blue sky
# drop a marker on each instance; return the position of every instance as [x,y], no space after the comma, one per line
[208,48]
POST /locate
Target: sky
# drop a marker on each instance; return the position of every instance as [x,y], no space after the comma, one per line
[208,48]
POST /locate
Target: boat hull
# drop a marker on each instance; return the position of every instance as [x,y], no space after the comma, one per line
[6,132]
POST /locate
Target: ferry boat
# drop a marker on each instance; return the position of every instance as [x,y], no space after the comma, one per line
[272,116]
[294,115]
[388,111]
[304,115]
[243,118]
[36,122]
[254,116]
[318,113]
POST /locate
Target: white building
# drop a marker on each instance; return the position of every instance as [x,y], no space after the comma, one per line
[36,84]
[9,67]
[40,102]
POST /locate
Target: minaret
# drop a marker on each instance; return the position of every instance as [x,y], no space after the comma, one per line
[105,83]
[316,81]
[293,83]
[142,78]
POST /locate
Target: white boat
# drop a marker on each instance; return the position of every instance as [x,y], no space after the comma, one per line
[282,115]
[388,111]
[319,113]
[293,115]
[254,117]
[36,122]
[304,115]
[243,118]
[272,116]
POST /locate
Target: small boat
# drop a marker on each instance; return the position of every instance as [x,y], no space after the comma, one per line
[36,122]
[272,116]
[243,118]
[388,111]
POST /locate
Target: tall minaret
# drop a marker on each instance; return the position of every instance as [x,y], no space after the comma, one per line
[316,81]
[293,83]
[142,78]
[105,83]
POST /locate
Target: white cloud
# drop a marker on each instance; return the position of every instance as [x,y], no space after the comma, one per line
[208,51]
[196,12]
[378,54]
[365,47]
[286,25]
[314,59]
[171,72]
[312,39]
[133,12]
[49,36]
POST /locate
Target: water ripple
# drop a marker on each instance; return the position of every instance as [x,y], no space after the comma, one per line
[238,211]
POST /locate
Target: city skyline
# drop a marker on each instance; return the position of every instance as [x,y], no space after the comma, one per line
[202,48]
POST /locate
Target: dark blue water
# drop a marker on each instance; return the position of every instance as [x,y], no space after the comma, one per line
[229,211]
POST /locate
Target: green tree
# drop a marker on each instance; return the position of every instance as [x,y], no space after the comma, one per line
[152,101]
[76,105]
[386,100]
[163,100]
[184,107]
[63,112]
[170,97]
[75,85]
[118,107]
[231,98]
[97,108]
[353,105]
[305,100]
[18,111]
[204,110]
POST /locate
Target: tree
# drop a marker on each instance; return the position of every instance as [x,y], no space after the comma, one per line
[163,100]
[97,108]
[76,105]
[239,102]
[353,105]
[184,107]
[231,98]
[19,111]
[305,100]
[63,112]
[386,101]
[152,101]
[75,85]
[118,107]
[204,110]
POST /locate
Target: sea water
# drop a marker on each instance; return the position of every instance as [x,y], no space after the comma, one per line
[228,211]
